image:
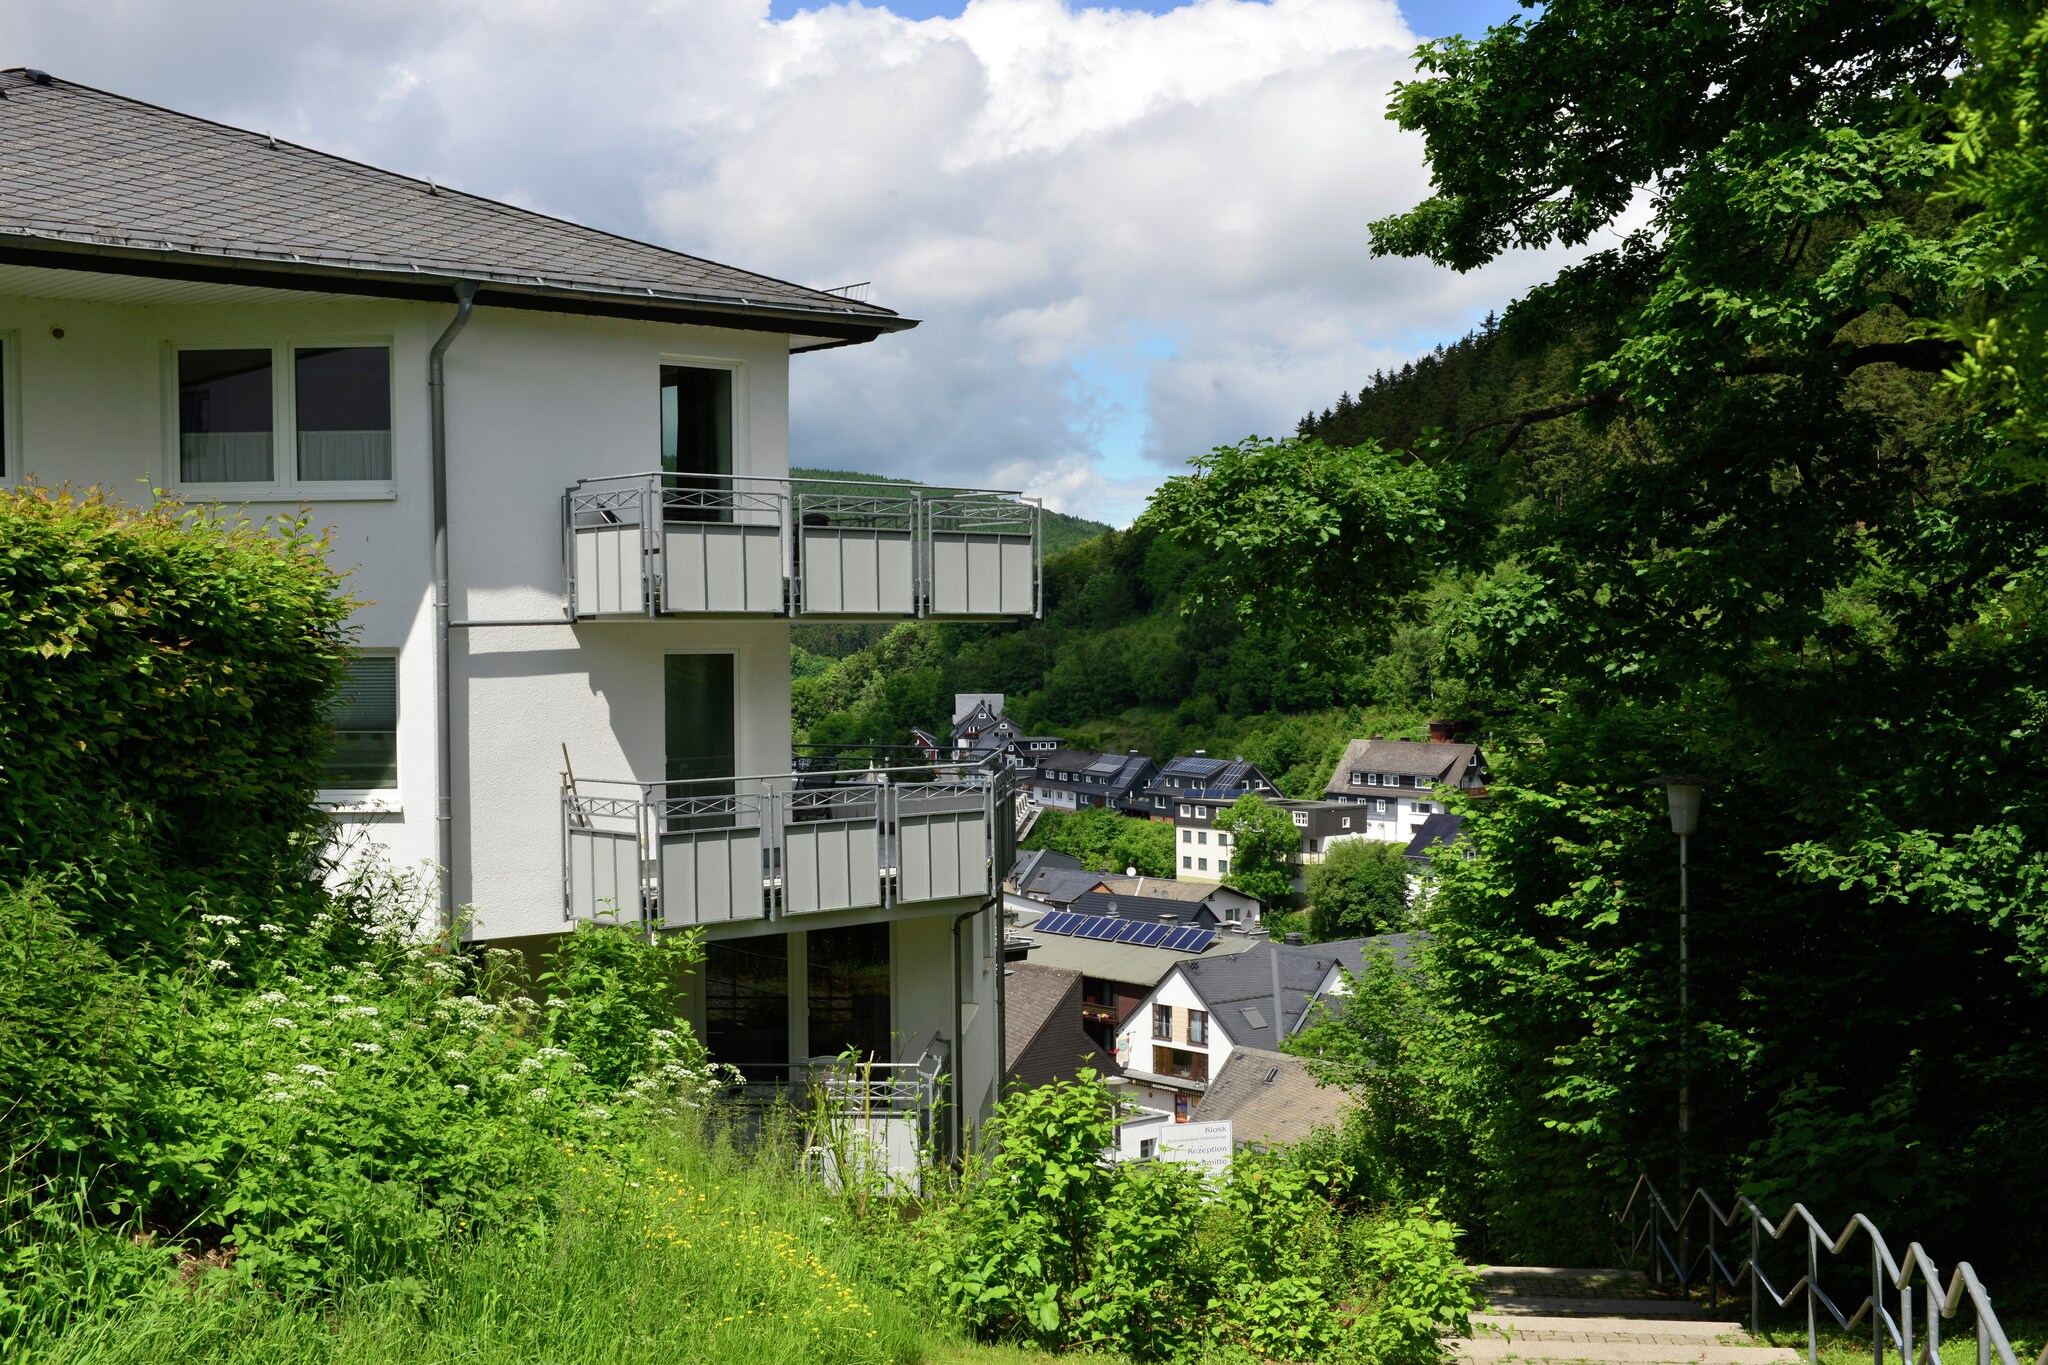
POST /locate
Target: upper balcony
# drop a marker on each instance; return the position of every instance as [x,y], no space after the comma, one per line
[732,545]
[721,850]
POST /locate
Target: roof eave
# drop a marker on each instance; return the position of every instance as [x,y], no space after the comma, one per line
[20,246]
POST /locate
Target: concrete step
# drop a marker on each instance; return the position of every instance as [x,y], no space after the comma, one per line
[1545,1305]
[1533,1325]
[1608,1350]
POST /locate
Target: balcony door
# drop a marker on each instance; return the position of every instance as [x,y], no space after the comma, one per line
[701,738]
[696,442]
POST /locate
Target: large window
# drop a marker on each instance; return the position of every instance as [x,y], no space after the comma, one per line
[1162,1021]
[746,1004]
[365,715]
[328,428]
[1198,1028]
[1173,1061]
[848,970]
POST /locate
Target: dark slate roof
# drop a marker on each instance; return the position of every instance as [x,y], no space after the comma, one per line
[1442,828]
[98,181]
[1031,862]
[1154,908]
[1209,779]
[1436,763]
[1060,885]
[1269,1097]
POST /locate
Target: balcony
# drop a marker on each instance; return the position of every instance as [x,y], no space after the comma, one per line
[694,545]
[722,851]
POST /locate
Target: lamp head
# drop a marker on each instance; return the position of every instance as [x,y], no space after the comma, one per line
[1684,792]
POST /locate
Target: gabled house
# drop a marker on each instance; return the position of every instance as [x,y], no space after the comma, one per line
[1079,779]
[1270,1099]
[556,463]
[1401,783]
[1116,973]
[1186,1028]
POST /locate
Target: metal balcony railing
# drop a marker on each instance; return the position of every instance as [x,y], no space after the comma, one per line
[661,544]
[716,851]
[1689,1246]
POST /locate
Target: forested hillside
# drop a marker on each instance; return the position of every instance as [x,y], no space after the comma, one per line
[1061,531]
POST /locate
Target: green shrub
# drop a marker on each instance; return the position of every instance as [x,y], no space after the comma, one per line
[163,711]
[1420,1290]
[1360,888]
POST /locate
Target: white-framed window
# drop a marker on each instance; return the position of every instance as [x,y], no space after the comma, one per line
[1379,806]
[1424,808]
[307,418]
[1358,779]
[1201,812]
[1148,1149]
[1301,819]
[365,714]
[1183,812]
[1187,862]
[1372,779]
[1347,822]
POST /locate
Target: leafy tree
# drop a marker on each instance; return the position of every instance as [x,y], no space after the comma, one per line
[1359,889]
[1262,840]
[1786,534]
[1106,841]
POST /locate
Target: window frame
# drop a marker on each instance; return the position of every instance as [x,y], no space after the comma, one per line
[384,800]
[1165,1013]
[1198,1028]
[284,423]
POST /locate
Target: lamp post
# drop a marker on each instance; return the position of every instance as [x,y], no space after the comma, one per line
[1684,794]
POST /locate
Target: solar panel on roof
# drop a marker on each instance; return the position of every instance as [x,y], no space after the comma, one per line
[1201,941]
[1058,922]
[1155,934]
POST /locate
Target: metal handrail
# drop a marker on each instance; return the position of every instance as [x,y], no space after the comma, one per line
[775,806]
[797,508]
[1653,1230]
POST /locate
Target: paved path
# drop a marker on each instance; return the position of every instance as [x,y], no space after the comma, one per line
[1612,1317]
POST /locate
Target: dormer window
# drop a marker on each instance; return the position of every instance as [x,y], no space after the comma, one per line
[1358,779]
[1301,819]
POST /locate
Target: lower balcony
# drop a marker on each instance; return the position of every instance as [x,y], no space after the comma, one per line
[722,851]
[663,545]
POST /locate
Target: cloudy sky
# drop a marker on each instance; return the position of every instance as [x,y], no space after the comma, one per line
[1132,234]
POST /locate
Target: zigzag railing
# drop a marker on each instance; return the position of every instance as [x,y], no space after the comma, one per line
[1667,1239]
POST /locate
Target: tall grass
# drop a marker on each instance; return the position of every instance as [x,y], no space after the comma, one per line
[674,1247]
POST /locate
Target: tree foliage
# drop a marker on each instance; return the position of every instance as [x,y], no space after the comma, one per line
[1359,889]
[1778,524]
[1262,841]
[1106,841]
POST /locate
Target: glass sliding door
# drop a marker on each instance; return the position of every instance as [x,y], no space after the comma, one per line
[696,442]
[700,733]
[746,1005]
[848,999]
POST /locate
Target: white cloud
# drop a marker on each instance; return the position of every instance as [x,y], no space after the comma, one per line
[1038,184]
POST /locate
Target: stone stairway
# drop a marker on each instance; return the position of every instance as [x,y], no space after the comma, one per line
[1613,1317]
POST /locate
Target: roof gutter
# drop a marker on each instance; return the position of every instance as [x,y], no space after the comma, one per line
[444,706]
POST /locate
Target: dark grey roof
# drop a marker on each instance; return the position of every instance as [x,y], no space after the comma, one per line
[1155,908]
[1210,778]
[1043,1040]
[1033,861]
[1060,885]
[1441,828]
[92,180]
[1269,1098]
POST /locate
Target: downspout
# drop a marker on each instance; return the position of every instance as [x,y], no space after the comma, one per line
[960,1034]
[444,779]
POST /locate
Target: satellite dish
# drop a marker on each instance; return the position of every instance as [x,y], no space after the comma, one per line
[1130,872]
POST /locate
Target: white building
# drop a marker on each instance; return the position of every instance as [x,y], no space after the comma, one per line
[1400,783]
[555,462]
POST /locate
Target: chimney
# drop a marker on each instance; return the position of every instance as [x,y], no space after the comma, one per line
[1165,918]
[1201,753]
[1295,940]
[1441,731]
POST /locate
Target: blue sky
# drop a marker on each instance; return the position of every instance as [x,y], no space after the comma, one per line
[1430,18]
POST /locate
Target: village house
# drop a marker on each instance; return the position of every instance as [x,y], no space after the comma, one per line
[1198,779]
[1401,783]
[1046,1033]
[555,463]
[1184,1030]
[1120,960]
[1078,779]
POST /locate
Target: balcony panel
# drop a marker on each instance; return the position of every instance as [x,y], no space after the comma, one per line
[711,876]
[610,568]
[942,844]
[722,569]
[983,575]
[857,571]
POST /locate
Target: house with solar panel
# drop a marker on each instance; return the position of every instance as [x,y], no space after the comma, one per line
[1080,779]
[1120,958]
[1198,778]
[555,462]
[1185,1029]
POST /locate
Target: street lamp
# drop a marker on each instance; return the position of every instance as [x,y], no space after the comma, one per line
[1684,792]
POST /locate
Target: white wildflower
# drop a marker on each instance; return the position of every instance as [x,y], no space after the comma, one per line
[309,1069]
[273,929]
[459,1088]
[279,1021]
[217,965]
[272,1078]
[279,1097]
[371,1049]
[556,1002]
[273,997]
[339,1000]
[552,1052]
[220,919]
[539,1092]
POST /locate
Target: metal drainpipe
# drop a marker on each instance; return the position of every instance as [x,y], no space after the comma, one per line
[444,780]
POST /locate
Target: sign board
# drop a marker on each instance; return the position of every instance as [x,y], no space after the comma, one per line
[1207,1145]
